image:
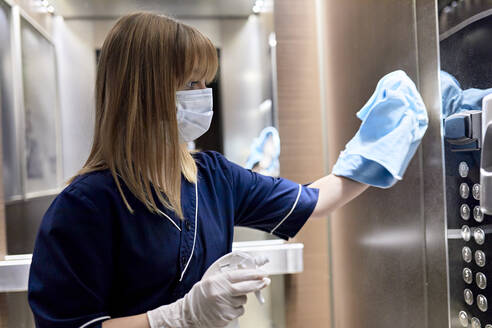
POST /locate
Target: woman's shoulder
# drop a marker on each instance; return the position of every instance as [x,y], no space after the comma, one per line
[85,206]
[211,161]
[95,189]
[92,183]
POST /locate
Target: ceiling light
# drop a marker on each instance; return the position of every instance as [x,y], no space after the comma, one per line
[263,6]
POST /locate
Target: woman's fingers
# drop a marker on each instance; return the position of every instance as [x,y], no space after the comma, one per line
[234,313]
[245,275]
[237,301]
[261,260]
[249,286]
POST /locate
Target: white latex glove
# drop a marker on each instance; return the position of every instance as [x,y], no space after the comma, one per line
[212,302]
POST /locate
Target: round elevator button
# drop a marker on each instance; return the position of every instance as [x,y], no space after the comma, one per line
[468,296]
[465,211]
[475,323]
[463,318]
[479,236]
[477,214]
[488,326]
[465,233]
[464,190]
[481,280]
[467,254]
[467,275]
[476,191]
[482,303]
[463,169]
[480,258]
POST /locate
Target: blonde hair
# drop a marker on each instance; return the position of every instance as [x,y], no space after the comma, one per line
[144,60]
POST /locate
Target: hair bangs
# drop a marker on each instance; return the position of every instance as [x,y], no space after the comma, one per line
[201,57]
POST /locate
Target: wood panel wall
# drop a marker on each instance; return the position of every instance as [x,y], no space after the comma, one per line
[301,159]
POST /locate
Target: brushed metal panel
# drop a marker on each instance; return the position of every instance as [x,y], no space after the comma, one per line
[379,242]
[11,158]
[23,220]
[19,312]
[432,163]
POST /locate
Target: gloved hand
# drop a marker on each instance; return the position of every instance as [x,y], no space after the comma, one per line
[212,302]
[394,121]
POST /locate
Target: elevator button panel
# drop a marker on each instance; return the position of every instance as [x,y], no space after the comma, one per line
[464,191]
[469,290]
[463,318]
[480,258]
[477,214]
[468,296]
[463,169]
[475,323]
[467,275]
[481,280]
[466,233]
[482,303]
[465,212]
[476,191]
[479,236]
[467,254]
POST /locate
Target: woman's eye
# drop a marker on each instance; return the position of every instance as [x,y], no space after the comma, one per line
[191,84]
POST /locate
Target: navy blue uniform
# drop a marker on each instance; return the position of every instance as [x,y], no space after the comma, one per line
[94,260]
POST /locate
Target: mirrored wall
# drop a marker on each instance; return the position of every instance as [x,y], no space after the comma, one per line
[40,110]
[11,156]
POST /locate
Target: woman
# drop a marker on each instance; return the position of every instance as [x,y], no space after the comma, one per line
[127,242]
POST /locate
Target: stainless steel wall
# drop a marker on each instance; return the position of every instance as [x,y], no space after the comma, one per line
[388,246]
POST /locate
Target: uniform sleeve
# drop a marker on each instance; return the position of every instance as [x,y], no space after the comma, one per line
[275,205]
[70,274]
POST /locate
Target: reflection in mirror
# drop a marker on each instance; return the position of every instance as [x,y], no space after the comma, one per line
[11,165]
[466,54]
[40,109]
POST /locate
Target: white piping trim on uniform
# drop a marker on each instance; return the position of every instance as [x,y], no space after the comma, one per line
[291,210]
[196,228]
[172,221]
[94,320]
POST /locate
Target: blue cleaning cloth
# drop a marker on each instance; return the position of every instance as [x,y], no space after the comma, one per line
[456,100]
[394,121]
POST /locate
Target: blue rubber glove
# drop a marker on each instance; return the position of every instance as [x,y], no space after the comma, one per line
[394,121]
[456,100]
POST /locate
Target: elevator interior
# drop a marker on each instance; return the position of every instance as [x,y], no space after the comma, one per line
[396,257]
[48,57]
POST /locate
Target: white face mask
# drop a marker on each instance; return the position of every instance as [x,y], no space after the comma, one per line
[194,112]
